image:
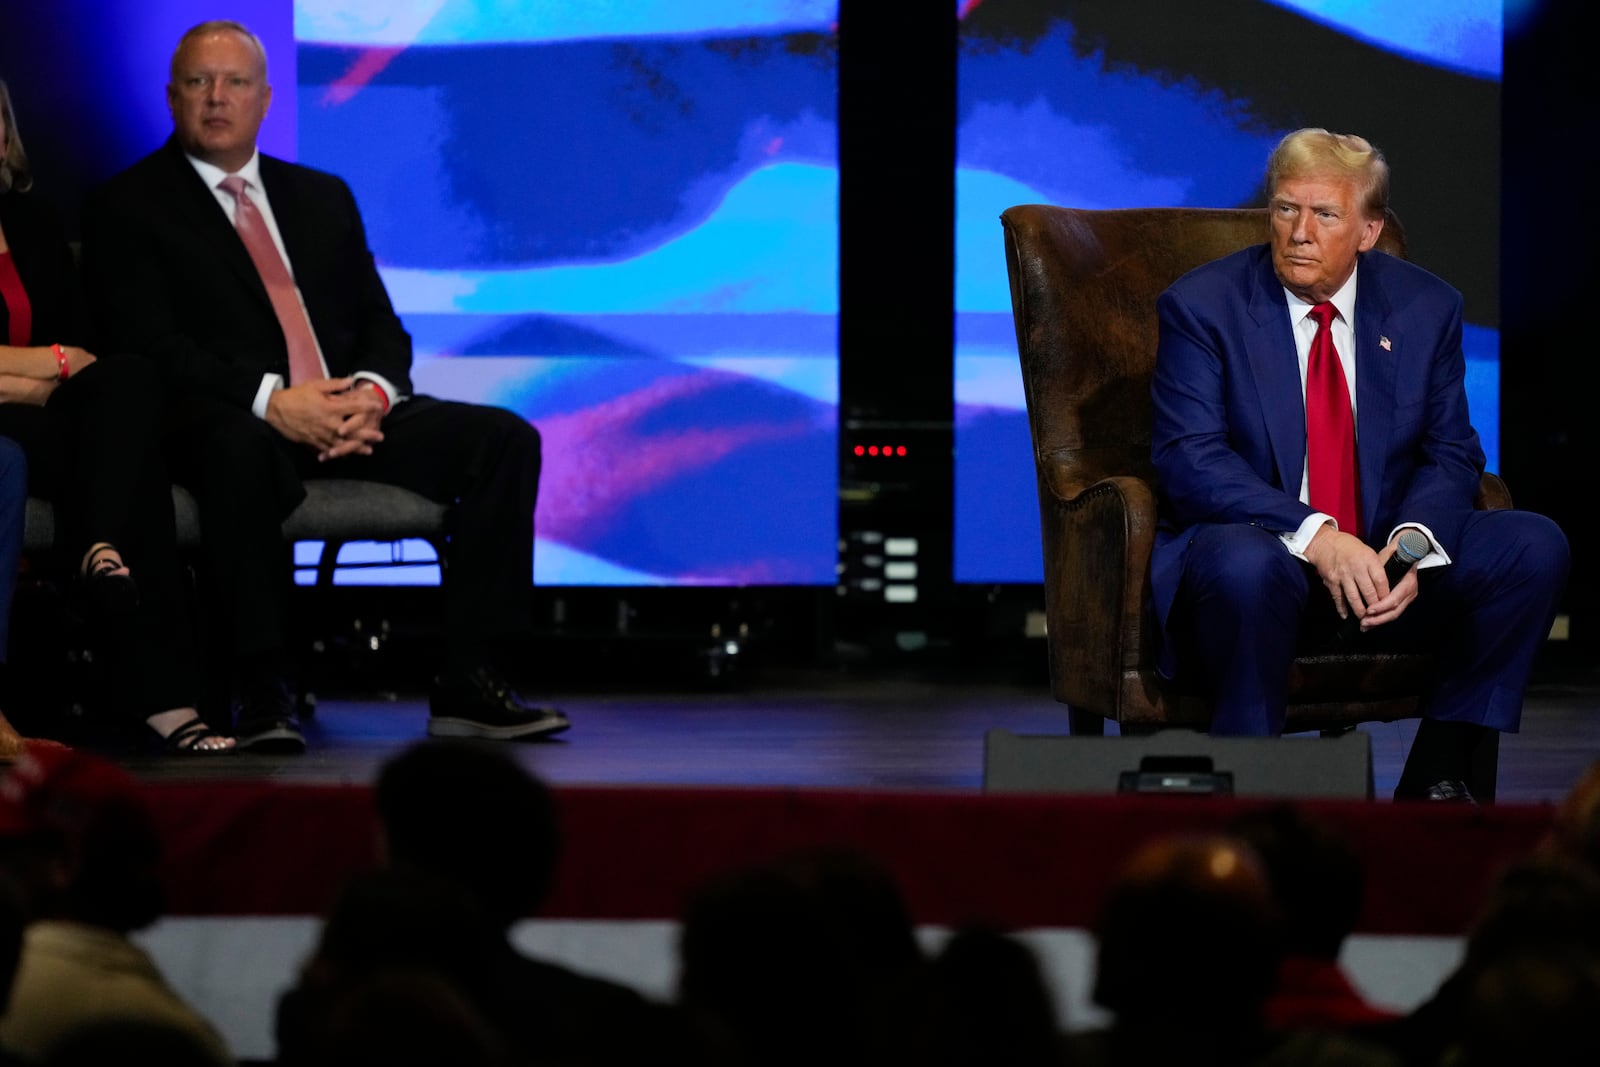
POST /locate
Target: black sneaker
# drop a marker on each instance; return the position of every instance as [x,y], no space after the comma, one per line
[479,703]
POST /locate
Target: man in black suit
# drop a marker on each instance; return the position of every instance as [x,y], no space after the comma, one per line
[248,281]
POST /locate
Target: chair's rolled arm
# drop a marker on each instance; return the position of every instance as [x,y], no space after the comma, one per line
[1097,547]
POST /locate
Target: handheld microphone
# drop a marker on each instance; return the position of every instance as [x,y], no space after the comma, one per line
[1411,547]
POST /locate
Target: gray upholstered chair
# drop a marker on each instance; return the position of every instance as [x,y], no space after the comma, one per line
[335,512]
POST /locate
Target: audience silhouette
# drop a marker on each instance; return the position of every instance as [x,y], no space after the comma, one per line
[78,836]
[466,814]
[990,1006]
[1211,950]
[1318,883]
[806,959]
[1190,941]
[1541,924]
[1536,1006]
[403,967]
[1575,832]
[13,917]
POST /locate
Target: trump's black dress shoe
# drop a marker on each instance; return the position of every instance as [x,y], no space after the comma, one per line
[1447,791]
[479,703]
[264,714]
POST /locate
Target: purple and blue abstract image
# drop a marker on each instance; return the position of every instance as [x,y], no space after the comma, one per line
[620,221]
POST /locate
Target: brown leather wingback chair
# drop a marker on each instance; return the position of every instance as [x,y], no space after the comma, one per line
[1083,293]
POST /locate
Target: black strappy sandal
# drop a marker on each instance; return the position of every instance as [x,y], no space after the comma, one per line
[106,590]
[189,739]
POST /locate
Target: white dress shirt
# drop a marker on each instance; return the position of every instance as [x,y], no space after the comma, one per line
[251,173]
[1344,342]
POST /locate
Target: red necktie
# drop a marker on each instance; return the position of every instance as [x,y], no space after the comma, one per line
[1331,430]
[304,362]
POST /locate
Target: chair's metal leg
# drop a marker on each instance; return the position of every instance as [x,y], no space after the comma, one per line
[1085,723]
[327,563]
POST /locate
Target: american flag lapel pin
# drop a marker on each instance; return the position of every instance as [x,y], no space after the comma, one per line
[1383,343]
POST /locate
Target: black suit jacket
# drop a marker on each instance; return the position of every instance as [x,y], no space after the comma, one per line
[168,277]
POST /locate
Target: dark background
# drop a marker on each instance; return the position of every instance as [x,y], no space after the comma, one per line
[1549,239]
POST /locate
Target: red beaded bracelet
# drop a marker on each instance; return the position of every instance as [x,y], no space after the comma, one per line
[61,362]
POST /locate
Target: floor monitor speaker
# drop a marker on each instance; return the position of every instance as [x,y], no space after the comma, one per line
[1180,762]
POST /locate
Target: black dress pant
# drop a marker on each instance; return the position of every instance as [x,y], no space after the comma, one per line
[246,478]
[94,451]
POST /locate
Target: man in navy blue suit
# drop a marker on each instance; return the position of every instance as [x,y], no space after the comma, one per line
[1249,567]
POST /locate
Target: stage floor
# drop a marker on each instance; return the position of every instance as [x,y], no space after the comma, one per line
[829,729]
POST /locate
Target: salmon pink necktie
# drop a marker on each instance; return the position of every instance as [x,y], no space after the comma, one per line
[304,362]
[1330,430]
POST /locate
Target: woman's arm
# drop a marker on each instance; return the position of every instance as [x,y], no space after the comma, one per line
[43,362]
[20,389]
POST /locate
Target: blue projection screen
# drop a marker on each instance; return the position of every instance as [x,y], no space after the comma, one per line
[1096,105]
[621,221]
